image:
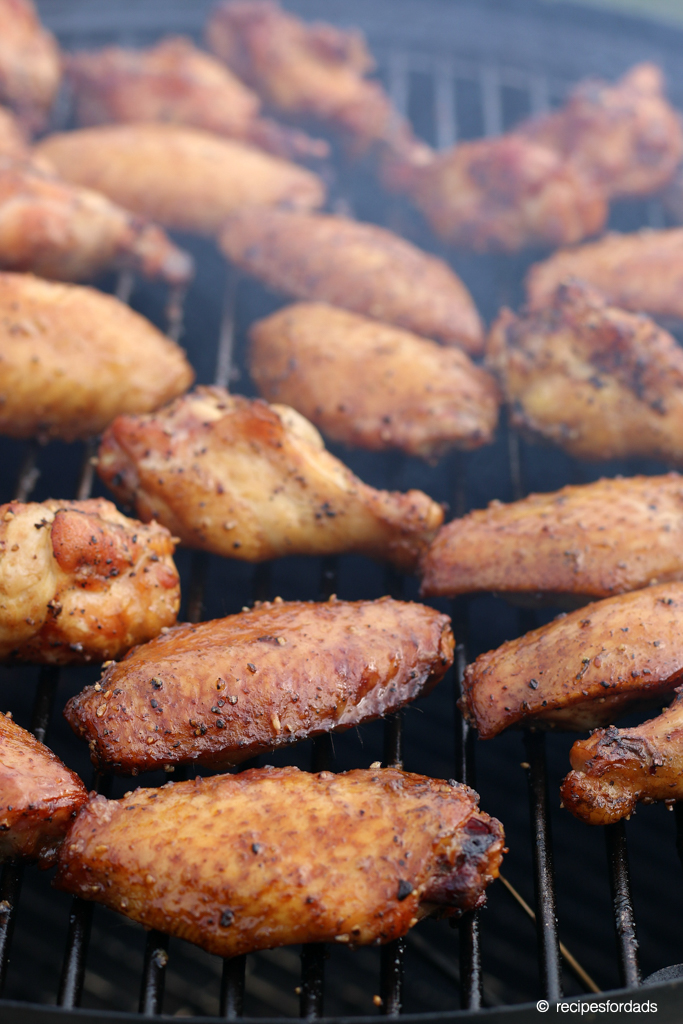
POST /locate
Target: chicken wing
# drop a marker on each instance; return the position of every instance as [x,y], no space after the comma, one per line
[12,140]
[416,395]
[251,481]
[626,137]
[81,582]
[596,380]
[274,856]
[30,64]
[584,669]
[181,177]
[174,81]
[361,267]
[580,543]
[39,796]
[614,768]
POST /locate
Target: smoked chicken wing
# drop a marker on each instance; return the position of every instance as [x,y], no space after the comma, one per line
[356,266]
[416,395]
[596,380]
[252,481]
[184,178]
[81,582]
[12,140]
[30,63]
[39,796]
[584,669]
[274,856]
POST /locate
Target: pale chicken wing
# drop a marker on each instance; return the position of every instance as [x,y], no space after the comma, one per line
[30,63]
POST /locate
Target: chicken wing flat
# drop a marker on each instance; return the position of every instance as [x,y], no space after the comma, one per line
[275,856]
[360,267]
[181,177]
[81,582]
[60,231]
[221,692]
[417,396]
[252,481]
[582,542]
[30,64]
[614,769]
[12,139]
[39,796]
[72,358]
[626,137]
[594,379]
[584,669]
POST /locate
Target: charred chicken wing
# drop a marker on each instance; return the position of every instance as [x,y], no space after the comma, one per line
[252,481]
[81,582]
[274,856]
[39,796]
[30,65]
[360,267]
[584,669]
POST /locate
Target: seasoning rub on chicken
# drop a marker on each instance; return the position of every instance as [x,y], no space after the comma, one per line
[274,856]
[251,481]
[30,63]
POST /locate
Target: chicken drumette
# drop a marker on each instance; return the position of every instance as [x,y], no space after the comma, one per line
[30,63]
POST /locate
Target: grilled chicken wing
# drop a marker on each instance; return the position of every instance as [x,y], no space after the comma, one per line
[81,582]
[252,481]
[12,140]
[275,856]
[598,381]
[581,543]
[39,796]
[584,669]
[416,395]
[360,267]
[174,81]
[30,65]
[616,768]
[182,177]
[72,358]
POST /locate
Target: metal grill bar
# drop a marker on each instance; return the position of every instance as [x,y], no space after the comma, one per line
[392,955]
[154,973]
[624,917]
[232,987]
[10,889]
[73,968]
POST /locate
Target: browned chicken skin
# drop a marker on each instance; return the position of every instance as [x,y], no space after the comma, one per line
[616,768]
[182,177]
[12,140]
[174,81]
[39,796]
[221,692]
[356,266]
[416,395]
[251,481]
[579,543]
[584,669]
[81,582]
[30,65]
[274,856]
[596,380]
[72,358]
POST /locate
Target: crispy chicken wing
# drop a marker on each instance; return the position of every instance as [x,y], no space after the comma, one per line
[81,582]
[252,481]
[30,65]
[416,395]
[581,543]
[12,140]
[598,381]
[182,177]
[274,856]
[221,692]
[361,267]
[584,669]
[39,796]
[72,358]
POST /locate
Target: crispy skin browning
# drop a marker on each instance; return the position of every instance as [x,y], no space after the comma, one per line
[30,64]
[360,267]
[584,669]
[417,396]
[181,177]
[626,137]
[221,692]
[12,139]
[251,481]
[39,796]
[582,542]
[72,358]
[594,379]
[81,582]
[274,856]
